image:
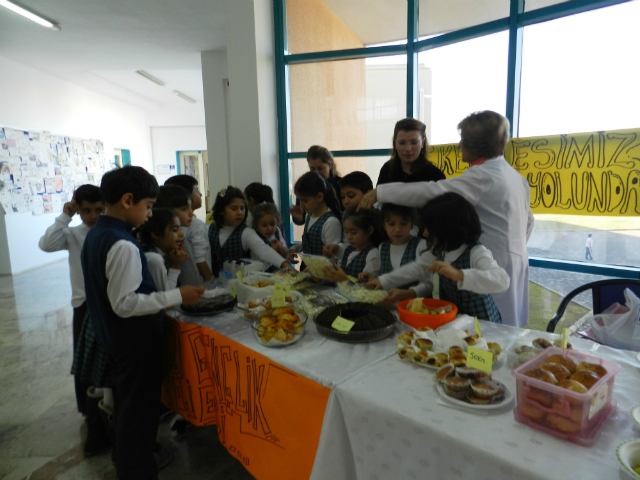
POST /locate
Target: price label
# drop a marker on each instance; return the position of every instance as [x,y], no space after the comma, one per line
[565,335]
[353,279]
[342,324]
[285,290]
[480,359]
[239,275]
[277,300]
[478,328]
[233,291]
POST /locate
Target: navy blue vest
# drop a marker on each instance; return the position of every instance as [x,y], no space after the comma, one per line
[312,237]
[112,331]
[408,256]
[357,264]
[232,249]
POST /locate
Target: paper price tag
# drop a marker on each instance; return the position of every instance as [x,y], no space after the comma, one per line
[480,359]
[565,335]
[478,327]
[353,279]
[277,300]
[233,291]
[342,324]
[239,275]
[285,290]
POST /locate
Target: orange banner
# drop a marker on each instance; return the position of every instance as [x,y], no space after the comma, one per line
[268,416]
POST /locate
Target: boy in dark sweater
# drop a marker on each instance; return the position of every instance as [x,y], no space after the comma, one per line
[126,313]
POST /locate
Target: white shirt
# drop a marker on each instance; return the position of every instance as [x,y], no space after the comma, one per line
[484,277]
[124,276]
[252,242]
[589,243]
[501,197]
[271,239]
[372,263]
[60,236]
[189,273]
[331,232]
[196,234]
[425,285]
[164,280]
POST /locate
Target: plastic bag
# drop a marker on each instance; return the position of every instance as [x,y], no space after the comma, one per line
[620,331]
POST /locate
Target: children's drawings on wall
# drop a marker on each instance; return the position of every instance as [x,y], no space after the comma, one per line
[577,174]
[40,171]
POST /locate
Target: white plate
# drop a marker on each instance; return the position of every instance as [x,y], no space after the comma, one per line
[508,398]
[635,415]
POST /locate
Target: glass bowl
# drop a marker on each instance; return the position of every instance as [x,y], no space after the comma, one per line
[279,327]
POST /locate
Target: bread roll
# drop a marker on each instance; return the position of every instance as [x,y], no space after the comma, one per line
[573,386]
[586,378]
[559,371]
[561,423]
[564,361]
[542,397]
[531,411]
[599,370]
[544,375]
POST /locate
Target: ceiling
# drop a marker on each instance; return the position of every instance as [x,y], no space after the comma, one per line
[103,43]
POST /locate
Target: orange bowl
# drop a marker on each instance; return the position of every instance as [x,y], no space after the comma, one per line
[420,320]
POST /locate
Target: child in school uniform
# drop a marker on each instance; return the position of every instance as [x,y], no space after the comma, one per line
[196,233]
[468,272]
[179,200]
[266,219]
[353,187]
[87,202]
[126,313]
[322,224]
[401,247]
[360,254]
[229,236]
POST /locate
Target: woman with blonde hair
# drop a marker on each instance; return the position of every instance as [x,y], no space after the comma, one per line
[500,195]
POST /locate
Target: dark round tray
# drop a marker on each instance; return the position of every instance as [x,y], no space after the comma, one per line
[356,337]
[362,314]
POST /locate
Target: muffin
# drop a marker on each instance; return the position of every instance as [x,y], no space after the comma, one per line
[599,370]
[564,361]
[478,400]
[467,372]
[449,370]
[559,371]
[456,387]
[424,344]
[484,389]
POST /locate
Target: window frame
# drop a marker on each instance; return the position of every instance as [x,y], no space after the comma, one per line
[515,23]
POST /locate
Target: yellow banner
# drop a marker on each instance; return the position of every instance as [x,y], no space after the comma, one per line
[257,404]
[579,174]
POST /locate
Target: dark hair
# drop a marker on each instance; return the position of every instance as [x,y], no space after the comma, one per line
[311,184]
[317,152]
[134,180]
[173,196]
[259,192]
[365,219]
[185,181]
[358,180]
[88,193]
[224,198]
[484,134]
[157,225]
[263,209]
[410,125]
[452,220]
[405,213]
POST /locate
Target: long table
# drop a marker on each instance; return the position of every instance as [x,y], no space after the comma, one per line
[343,411]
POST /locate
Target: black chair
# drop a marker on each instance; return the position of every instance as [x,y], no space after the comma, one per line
[604,293]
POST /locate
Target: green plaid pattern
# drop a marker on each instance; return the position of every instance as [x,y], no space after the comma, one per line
[473,304]
[312,237]
[357,264]
[408,256]
[90,360]
[232,249]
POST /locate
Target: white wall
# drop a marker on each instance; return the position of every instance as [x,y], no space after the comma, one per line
[33,100]
[166,141]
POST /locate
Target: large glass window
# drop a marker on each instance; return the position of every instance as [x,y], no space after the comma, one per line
[318,26]
[347,105]
[438,17]
[462,78]
[579,73]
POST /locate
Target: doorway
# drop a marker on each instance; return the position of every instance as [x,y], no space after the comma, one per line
[196,164]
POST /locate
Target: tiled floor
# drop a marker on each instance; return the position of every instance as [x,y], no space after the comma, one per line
[41,433]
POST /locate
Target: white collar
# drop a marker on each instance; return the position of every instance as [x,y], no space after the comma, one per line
[453,255]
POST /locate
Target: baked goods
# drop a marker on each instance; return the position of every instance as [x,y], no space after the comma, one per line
[542,343]
[211,305]
[564,361]
[573,385]
[586,378]
[457,387]
[405,352]
[455,351]
[540,374]
[558,343]
[484,389]
[531,411]
[448,370]
[281,325]
[438,359]
[495,348]
[424,329]
[558,371]
[416,306]
[599,370]
[542,397]
[458,360]
[562,423]
[424,344]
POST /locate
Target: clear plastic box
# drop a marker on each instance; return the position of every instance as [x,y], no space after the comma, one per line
[574,417]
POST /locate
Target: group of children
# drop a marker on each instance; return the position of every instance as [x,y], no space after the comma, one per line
[141,250]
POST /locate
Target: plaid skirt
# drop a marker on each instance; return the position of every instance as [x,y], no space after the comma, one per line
[90,359]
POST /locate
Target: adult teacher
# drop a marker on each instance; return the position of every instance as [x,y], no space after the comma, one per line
[320,161]
[409,161]
[500,195]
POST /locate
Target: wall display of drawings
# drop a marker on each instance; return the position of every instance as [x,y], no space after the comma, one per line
[40,171]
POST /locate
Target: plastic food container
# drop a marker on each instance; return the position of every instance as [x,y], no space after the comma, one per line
[245,291]
[419,320]
[270,327]
[574,417]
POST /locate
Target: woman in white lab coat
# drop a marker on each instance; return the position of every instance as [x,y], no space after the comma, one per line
[500,195]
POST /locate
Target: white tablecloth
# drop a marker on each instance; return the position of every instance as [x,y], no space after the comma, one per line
[383,419]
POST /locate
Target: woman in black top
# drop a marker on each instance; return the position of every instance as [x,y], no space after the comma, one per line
[409,161]
[320,161]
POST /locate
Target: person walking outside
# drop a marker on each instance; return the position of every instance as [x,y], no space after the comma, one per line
[588,254]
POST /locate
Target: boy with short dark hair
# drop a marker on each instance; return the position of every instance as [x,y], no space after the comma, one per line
[196,234]
[126,313]
[87,201]
[353,187]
